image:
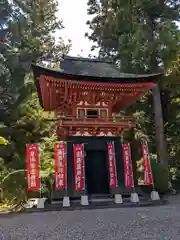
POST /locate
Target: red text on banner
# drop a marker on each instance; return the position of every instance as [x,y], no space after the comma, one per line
[60,165]
[79,167]
[148,180]
[112,166]
[128,173]
[32,167]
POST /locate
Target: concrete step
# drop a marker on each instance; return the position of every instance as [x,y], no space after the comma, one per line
[98,198]
[101,203]
[97,205]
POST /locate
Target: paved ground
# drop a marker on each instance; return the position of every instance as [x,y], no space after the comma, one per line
[153,223]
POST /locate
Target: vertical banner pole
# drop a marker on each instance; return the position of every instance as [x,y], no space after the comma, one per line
[112,165]
[60,165]
[66,171]
[66,200]
[60,169]
[79,165]
[32,167]
[129,176]
[113,172]
[115,164]
[134,196]
[40,193]
[133,187]
[73,180]
[33,170]
[74,153]
[84,170]
[147,167]
[146,155]
[150,166]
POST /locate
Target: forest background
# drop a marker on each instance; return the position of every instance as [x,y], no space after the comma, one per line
[140,36]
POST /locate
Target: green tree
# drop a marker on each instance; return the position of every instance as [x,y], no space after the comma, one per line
[140,37]
[27,29]
[142,34]
[26,35]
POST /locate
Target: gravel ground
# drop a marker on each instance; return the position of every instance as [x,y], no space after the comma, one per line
[153,223]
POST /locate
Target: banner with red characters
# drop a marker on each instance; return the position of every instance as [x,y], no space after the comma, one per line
[60,165]
[148,179]
[128,173]
[32,167]
[79,167]
[112,166]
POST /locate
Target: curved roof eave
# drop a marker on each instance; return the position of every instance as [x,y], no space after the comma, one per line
[123,77]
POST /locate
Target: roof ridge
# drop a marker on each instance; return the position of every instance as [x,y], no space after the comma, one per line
[125,75]
[83,59]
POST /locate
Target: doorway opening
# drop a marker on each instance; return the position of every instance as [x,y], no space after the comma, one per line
[97,176]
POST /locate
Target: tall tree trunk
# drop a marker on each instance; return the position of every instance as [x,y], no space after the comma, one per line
[160,138]
[157,106]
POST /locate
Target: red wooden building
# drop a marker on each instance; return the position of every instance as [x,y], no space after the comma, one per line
[87,96]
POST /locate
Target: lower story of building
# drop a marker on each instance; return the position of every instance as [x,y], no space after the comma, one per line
[96,166]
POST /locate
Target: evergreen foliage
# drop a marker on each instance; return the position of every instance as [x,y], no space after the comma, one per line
[139,36]
[26,36]
[142,36]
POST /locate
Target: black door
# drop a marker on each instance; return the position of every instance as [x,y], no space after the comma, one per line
[96,172]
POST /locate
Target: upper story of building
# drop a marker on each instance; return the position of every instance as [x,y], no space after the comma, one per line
[89,92]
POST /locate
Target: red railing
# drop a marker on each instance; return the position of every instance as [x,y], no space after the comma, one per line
[118,120]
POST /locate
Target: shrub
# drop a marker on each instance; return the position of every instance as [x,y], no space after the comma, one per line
[160,176]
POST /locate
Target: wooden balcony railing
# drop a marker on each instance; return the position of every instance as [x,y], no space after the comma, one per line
[112,121]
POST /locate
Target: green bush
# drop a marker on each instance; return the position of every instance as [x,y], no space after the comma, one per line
[13,186]
[160,176]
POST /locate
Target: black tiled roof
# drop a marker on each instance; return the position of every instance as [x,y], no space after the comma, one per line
[95,68]
[84,69]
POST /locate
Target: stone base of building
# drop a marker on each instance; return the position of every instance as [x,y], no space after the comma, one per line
[96,203]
